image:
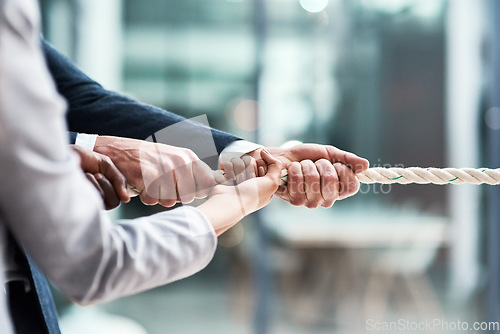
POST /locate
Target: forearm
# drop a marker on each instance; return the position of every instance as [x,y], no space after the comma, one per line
[227,205]
[223,212]
[141,254]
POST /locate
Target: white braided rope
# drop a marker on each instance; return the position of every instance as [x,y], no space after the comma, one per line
[415,175]
[430,175]
[404,176]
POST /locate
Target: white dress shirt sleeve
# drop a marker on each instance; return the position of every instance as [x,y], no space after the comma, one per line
[86,141]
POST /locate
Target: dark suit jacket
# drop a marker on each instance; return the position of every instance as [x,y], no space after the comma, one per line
[95,110]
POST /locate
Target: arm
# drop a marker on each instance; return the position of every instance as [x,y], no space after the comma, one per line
[159,173]
[318,174]
[54,212]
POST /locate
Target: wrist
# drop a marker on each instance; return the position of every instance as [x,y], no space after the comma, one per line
[100,142]
[107,144]
[275,151]
[211,209]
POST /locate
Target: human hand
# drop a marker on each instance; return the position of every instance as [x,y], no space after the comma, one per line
[318,175]
[104,175]
[227,205]
[239,169]
[159,173]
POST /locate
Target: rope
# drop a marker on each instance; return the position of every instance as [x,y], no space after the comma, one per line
[430,175]
[415,175]
[403,176]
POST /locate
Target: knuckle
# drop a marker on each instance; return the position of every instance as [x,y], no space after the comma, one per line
[312,205]
[323,162]
[167,203]
[329,190]
[330,177]
[145,199]
[306,163]
[107,159]
[309,168]
[178,160]
[294,168]
[294,179]
[248,159]
[328,204]
[297,201]
[186,199]
[312,176]
[353,187]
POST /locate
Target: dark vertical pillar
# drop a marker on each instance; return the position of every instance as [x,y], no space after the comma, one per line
[262,274]
[494,162]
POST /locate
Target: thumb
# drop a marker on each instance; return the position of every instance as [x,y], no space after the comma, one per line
[274,166]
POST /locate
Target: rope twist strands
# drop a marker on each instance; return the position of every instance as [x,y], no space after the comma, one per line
[414,175]
[402,176]
[430,175]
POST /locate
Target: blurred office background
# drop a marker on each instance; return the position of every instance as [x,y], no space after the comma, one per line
[400,82]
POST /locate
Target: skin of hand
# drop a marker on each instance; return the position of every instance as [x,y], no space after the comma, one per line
[239,169]
[103,174]
[318,175]
[227,205]
[106,190]
[160,173]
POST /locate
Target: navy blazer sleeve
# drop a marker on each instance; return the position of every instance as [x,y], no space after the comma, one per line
[95,110]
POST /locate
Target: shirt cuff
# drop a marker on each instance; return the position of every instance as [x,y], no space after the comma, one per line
[86,141]
[237,148]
